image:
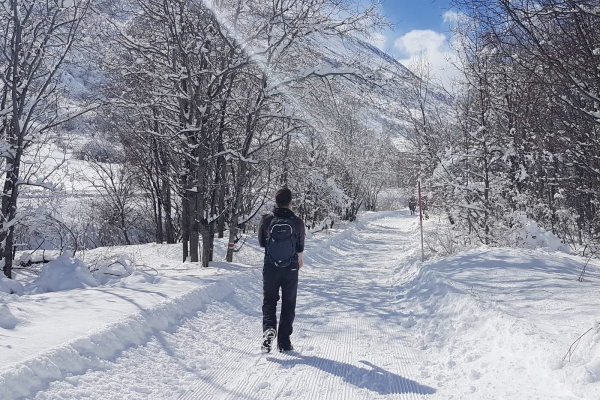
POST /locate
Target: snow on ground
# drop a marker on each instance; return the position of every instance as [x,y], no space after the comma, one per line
[498,322]
[372,323]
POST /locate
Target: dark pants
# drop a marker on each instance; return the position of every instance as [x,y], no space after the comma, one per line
[286,279]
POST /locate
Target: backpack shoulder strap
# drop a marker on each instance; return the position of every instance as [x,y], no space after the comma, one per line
[273,218]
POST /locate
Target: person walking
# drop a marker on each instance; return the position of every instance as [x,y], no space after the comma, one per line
[281,233]
[412,205]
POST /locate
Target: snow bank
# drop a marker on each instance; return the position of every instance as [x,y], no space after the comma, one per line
[7,319]
[93,349]
[581,364]
[443,240]
[64,273]
[591,369]
[10,286]
[485,313]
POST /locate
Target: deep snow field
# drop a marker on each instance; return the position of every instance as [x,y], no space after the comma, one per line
[372,322]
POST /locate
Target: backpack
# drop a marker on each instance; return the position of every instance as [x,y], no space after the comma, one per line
[281,241]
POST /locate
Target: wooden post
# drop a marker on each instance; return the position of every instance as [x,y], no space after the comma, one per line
[421,220]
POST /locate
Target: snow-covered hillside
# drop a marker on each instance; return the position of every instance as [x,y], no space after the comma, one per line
[388,91]
[372,322]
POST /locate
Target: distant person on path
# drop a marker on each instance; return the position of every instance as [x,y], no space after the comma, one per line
[412,205]
[281,233]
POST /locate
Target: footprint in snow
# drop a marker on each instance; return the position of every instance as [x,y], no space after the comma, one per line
[262,385]
[475,375]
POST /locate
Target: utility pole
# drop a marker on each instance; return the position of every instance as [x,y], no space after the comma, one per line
[421,220]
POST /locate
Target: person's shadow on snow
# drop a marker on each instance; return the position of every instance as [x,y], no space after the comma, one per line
[373,378]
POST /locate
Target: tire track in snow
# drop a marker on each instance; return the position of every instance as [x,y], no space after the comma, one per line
[277,375]
[209,386]
[289,362]
[404,357]
[252,383]
[223,379]
[322,381]
[350,339]
[346,355]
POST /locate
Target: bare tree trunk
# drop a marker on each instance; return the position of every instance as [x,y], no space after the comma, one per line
[195,215]
[185,224]
[219,189]
[222,191]
[284,175]
[156,210]
[9,208]
[221,171]
[233,229]
[236,207]
[9,200]
[154,182]
[208,238]
[10,191]
[159,222]
[168,207]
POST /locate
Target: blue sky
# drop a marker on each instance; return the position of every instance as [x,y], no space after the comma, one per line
[420,27]
[409,15]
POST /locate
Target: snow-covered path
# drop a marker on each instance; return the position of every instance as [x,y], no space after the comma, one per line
[372,323]
[349,336]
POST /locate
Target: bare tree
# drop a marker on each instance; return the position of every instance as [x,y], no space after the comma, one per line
[37,36]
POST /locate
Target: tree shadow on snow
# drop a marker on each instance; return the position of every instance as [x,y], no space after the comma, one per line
[373,378]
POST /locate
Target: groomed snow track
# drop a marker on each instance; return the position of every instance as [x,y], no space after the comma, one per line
[349,340]
[338,366]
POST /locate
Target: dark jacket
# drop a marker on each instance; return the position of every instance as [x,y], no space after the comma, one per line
[282,213]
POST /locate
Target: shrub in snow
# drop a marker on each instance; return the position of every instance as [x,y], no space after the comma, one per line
[443,239]
[95,150]
[532,236]
[64,273]
[109,270]
[10,286]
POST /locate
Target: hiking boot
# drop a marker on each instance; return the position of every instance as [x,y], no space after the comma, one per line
[285,347]
[268,337]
